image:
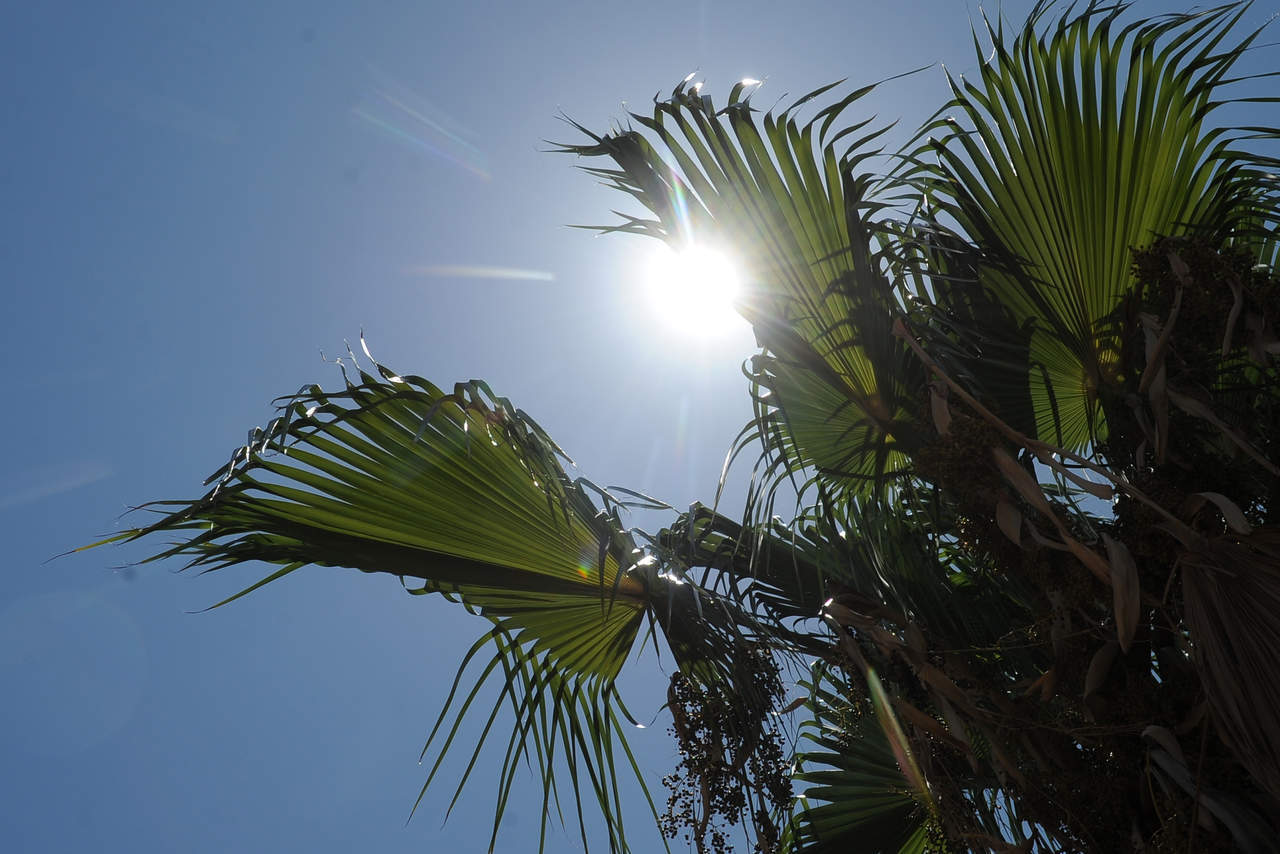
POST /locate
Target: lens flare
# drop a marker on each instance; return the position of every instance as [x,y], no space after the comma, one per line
[399,114]
[470,271]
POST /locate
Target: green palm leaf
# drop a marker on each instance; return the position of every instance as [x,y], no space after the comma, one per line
[1070,149]
[467,495]
[834,387]
[857,797]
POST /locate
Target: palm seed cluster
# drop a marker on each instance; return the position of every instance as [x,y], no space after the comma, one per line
[732,765]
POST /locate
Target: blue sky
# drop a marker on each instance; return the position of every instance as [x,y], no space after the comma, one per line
[199,199]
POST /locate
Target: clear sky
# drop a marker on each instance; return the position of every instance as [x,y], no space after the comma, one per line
[198,199]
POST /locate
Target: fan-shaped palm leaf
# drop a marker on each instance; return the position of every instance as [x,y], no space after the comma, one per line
[858,798]
[835,386]
[1070,149]
[466,494]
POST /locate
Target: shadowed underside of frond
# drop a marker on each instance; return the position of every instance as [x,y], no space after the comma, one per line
[857,798]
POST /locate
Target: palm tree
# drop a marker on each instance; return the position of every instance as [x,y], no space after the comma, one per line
[1032,592]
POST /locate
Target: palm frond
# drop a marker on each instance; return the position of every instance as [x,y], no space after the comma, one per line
[787,199]
[1070,148]
[467,495]
[1232,592]
[857,797]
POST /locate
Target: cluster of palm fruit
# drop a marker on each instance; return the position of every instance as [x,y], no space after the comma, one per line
[732,765]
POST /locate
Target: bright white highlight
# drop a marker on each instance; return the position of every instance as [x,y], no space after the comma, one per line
[693,290]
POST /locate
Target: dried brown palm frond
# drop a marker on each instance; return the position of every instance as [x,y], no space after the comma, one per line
[1231,591]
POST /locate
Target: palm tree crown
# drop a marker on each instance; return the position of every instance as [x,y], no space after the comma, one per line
[1024,389]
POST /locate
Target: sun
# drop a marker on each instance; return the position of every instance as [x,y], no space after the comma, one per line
[693,289]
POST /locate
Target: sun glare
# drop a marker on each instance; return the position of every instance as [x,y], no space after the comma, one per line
[693,290]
